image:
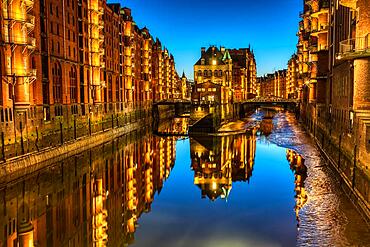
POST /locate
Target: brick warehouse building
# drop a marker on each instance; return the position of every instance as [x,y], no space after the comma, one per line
[333,58]
[274,85]
[224,76]
[76,62]
[330,76]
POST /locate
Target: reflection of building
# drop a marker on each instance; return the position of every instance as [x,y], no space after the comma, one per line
[93,199]
[300,172]
[175,126]
[266,125]
[99,218]
[218,161]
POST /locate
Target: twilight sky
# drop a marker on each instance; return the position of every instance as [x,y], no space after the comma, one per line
[184,26]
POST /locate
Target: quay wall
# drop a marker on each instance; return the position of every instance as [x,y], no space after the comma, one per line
[345,158]
[70,140]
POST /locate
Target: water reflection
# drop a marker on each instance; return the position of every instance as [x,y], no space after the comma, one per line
[296,162]
[172,127]
[92,199]
[98,198]
[217,161]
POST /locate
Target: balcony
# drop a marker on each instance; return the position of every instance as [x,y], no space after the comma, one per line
[322,9]
[101,51]
[354,48]
[15,16]
[15,39]
[31,42]
[348,3]
[20,72]
[32,73]
[29,3]
[320,30]
[30,22]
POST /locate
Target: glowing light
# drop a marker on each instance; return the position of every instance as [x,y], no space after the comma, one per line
[214,186]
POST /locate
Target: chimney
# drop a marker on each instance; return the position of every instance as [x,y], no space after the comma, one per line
[203,50]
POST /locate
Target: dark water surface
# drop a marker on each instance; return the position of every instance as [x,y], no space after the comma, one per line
[268,187]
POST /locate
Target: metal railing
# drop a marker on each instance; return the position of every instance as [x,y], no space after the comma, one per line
[355,45]
[320,28]
[19,72]
[30,19]
[31,41]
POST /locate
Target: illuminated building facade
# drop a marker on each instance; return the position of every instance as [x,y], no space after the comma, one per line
[244,75]
[68,63]
[274,85]
[217,162]
[293,83]
[224,76]
[333,63]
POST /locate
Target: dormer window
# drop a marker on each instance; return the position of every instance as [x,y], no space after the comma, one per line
[203,61]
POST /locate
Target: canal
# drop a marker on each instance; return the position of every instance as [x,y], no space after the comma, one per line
[265,187]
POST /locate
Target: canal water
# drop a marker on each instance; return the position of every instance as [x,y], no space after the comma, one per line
[266,187]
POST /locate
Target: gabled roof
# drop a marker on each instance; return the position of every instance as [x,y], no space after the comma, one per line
[211,54]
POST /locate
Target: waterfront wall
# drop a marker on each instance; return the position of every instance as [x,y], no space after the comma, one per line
[344,156]
[68,136]
[39,159]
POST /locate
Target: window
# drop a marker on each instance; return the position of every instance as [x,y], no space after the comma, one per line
[199,73]
[117,90]
[73,81]
[110,89]
[209,72]
[57,82]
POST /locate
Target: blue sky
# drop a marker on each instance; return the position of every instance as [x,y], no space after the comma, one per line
[184,26]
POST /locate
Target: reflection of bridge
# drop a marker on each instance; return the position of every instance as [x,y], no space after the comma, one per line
[271,101]
[172,102]
[167,134]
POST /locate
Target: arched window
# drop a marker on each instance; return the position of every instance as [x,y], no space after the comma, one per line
[220,73]
[57,82]
[199,73]
[209,72]
[205,73]
[73,81]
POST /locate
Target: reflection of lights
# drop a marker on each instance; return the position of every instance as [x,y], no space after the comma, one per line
[214,185]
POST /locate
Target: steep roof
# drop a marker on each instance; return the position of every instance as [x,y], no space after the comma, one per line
[211,54]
